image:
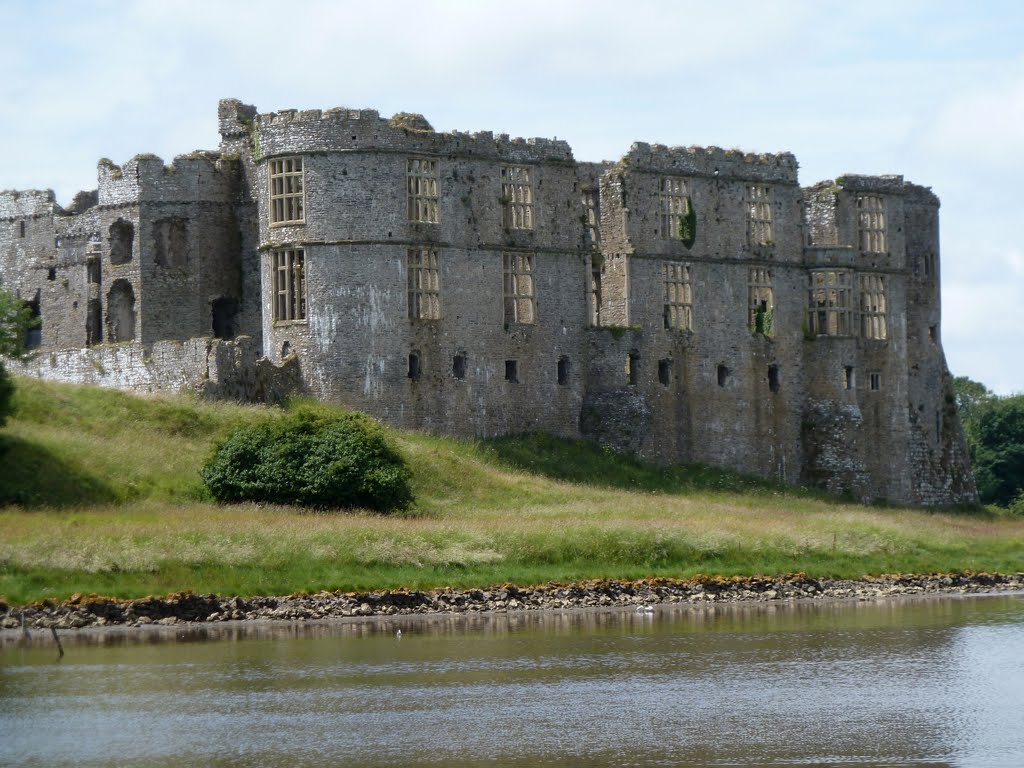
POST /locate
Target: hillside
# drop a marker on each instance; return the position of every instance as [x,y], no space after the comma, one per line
[101,493]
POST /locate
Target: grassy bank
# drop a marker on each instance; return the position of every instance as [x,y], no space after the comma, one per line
[109,500]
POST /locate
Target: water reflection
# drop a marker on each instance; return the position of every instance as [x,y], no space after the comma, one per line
[905,682]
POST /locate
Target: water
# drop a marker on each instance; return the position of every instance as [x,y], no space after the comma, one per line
[937,681]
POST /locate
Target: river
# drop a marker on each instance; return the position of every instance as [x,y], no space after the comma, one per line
[932,681]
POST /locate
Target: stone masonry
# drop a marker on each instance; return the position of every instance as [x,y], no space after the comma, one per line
[683,304]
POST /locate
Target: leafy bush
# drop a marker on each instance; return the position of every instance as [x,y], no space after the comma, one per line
[6,391]
[310,458]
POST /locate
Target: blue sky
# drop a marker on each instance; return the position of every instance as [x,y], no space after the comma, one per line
[933,90]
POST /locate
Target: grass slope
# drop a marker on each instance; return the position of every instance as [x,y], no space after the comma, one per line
[100,492]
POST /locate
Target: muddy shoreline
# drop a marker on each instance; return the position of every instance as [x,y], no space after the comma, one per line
[186,608]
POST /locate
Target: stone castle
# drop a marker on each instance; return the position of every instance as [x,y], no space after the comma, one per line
[683,304]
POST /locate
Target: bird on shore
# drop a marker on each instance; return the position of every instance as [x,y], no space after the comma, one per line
[398,634]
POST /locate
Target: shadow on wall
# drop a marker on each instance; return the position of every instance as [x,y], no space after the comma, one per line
[33,477]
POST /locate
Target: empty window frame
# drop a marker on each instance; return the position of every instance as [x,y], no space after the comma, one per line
[632,368]
[665,371]
[871,224]
[516,197]
[459,366]
[674,202]
[849,377]
[760,301]
[829,311]
[520,300]
[595,290]
[424,277]
[774,378]
[287,191]
[875,381]
[873,307]
[591,218]
[512,371]
[563,371]
[414,370]
[678,308]
[759,216]
[422,197]
[289,285]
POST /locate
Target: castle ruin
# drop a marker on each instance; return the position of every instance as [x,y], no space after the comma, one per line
[683,304]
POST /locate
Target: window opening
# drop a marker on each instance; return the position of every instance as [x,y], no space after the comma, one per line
[759,216]
[34,335]
[760,301]
[93,322]
[829,304]
[121,312]
[678,312]
[665,372]
[723,375]
[774,380]
[593,233]
[516,197]
[423,269]
[422,196]
[224,316]
[287,191]
[933,333]
[289,285]
[21,229]
[871,223]
[849,377]
[632,368]
[595,293]
[170,241]
[678,218]
[94,271]
[414,366]
[563,371]
[873,307]
[51,274]
[459,366]
[121,240]
[512,371]
[520,302]
[875,381]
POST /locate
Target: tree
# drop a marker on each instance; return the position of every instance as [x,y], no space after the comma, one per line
[994,428]
[15,321]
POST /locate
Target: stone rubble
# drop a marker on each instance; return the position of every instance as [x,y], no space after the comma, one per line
[186,607]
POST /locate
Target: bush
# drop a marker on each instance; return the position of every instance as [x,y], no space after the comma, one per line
[312,459]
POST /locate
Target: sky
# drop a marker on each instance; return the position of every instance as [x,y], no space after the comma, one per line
[930,89]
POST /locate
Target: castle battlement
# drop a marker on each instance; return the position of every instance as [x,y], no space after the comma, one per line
[29,203]
[711,162]
[190,177]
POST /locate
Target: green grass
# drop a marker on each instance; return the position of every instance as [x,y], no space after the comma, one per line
[100,492]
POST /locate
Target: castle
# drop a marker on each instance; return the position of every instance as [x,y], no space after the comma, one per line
[683,304]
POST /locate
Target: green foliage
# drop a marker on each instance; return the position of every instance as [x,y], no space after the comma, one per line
[994,428]
[688,224]
[762,320]
[313,458]
[15,320]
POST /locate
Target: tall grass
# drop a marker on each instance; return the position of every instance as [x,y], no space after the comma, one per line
[102,494]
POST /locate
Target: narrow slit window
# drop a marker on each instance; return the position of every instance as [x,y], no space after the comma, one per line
[665,372]
[414,366]
[512,371]
[633,368]
[459,366]
[849,377]
[774,379]
[563,371]
[875,381]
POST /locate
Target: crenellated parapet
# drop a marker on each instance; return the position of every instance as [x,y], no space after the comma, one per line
[712,162]
[199,176]
[348,130]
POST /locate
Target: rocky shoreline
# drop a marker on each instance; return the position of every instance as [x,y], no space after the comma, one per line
[82,611]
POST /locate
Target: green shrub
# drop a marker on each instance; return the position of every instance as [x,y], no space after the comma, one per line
[313,459]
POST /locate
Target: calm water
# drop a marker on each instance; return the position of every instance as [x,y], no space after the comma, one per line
[929,682]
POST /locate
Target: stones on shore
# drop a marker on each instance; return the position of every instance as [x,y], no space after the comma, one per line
[186,607]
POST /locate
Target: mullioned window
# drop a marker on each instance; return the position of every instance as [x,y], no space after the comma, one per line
[423,184]
[289,285]
[517,197]
[678,294]
[287,191]
[423,267]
